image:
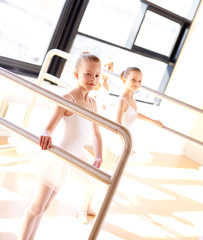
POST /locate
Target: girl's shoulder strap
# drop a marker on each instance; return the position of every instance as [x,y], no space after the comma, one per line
[72,97]
[124,99]
[91,101]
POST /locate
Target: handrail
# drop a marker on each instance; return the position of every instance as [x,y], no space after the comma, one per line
[54,79]
[122,131]
[44,75]
[183,136]
[97,173]
[174,100]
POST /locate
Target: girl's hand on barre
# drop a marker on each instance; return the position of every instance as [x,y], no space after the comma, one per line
[158,123]
[97,163]
[45,142]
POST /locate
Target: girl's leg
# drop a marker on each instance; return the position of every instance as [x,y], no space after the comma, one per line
[38,220]
[87,198]
[109,158]
[89,186]
[43,197]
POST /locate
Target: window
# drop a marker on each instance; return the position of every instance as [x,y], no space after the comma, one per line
[146,34]
[158,33]
[184,8]
[110,20]
[26,35]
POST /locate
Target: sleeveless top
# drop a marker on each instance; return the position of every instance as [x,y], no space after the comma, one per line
[129,121]
[54,171]
[76,132]
[129,117]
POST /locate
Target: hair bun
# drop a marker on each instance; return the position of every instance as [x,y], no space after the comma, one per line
[122,76]
[86,52]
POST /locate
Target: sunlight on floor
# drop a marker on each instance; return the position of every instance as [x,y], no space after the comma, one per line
[153,201]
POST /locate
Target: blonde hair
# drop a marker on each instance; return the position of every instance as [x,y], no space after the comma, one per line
[108,61]
[121,76]
[86,57]
[126,72]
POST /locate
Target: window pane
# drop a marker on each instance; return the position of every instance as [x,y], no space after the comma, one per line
[26,28]
[157,33]
[180,7]
[110,20]
[153,70]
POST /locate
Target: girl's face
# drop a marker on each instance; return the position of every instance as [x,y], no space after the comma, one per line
[133,80]
[109,66]
[88,74]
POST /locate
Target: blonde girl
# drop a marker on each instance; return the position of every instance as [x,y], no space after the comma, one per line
[127,113]
[76,132]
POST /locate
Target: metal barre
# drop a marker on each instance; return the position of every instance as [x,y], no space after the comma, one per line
[117,128]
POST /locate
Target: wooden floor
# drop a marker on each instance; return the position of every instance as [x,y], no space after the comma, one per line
[158,198]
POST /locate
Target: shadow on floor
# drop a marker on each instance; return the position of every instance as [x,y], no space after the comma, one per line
[8,236]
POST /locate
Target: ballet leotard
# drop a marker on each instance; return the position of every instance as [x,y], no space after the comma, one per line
[76,133]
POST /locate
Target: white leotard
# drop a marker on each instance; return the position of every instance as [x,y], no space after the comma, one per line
[76,133]
[129,117]
[129,121]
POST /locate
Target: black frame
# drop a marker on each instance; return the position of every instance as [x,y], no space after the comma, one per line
[67,29]
[62,39]
[169,60]
[184,23]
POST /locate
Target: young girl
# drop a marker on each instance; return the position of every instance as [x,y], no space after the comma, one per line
[76,133]
[126,113]
[101,91]
[108,66]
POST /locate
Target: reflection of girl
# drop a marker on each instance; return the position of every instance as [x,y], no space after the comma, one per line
[101,91]
[108,66]
[76,133]
[104,83]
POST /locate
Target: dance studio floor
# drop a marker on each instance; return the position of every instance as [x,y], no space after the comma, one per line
[158,198]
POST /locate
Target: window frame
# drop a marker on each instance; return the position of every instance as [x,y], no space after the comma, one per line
[62,39]
[184,23]
[67,28]
[172,58]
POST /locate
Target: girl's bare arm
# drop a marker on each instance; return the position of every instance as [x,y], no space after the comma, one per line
[120,110]
[45,140]
[150,120]
[97,141]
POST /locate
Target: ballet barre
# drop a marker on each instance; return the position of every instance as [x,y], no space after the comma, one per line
[113,180]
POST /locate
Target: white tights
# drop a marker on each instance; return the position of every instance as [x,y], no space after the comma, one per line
[42,200]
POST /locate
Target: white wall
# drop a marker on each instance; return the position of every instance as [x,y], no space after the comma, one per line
[186,84]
